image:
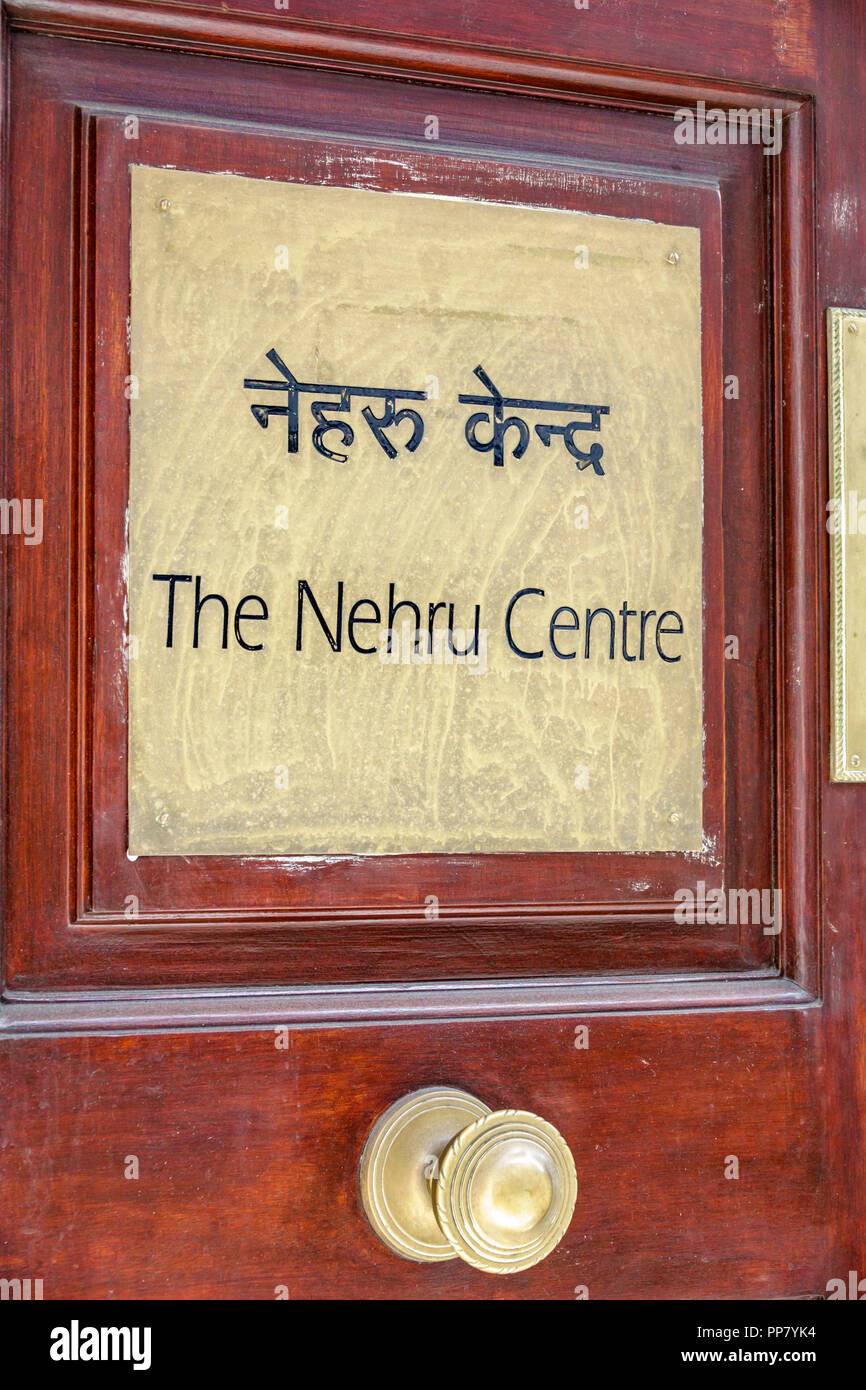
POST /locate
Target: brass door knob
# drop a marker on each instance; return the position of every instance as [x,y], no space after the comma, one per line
[442,1175]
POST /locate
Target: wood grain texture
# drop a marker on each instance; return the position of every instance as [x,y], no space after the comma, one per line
[249,1154]
[557,52]
[841,230]
[581,910]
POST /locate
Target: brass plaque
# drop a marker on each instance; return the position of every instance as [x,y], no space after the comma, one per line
[846,522]
[415,524]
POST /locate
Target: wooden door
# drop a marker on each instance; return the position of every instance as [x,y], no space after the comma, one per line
[195,1046]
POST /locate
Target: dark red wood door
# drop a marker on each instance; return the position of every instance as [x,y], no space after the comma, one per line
[195,1046]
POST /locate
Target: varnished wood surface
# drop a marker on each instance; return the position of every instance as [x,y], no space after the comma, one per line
[248,1158]
[257,921]
[248,1154]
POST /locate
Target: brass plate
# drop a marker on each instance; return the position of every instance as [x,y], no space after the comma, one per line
[400,1161]
[316,751]
[846,521]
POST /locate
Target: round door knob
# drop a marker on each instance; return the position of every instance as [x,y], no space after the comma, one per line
[506,1191]
[442,1175]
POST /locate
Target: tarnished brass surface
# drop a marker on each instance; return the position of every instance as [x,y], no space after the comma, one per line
[506,1191]
[398,1166]
[441,1175]
[281,751]
[847,525]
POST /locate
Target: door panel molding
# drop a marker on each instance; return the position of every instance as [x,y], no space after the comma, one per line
[260,922]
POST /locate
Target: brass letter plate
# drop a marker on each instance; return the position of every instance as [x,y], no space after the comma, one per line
[846,522]
[415,524]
